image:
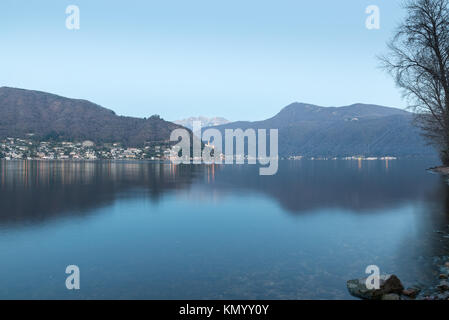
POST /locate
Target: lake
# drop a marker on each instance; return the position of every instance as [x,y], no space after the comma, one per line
[140,230]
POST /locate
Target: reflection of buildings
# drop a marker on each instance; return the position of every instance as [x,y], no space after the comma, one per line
[211,173]
[36,190]
[36,173]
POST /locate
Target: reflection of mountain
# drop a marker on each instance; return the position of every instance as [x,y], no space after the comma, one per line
[37,191]
[301,186]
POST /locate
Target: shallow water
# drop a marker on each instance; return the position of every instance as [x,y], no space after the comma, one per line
[159,231]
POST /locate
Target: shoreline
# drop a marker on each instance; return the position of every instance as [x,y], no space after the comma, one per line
[439,169]
[439,290]
[383,159]
[391,287]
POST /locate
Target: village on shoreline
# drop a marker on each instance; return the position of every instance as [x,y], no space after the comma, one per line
[29,149]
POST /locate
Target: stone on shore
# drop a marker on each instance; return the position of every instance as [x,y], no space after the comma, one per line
[411,292]
[389,284]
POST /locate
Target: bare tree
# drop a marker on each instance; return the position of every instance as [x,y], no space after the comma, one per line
[418,59]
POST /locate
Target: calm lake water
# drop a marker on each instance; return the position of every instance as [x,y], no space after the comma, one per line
[159,231]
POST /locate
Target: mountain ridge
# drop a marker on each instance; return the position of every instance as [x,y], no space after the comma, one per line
[45,115]
[358,129]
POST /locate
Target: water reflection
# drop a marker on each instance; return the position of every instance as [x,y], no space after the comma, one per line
[217,231]
[304,186]
[32,191]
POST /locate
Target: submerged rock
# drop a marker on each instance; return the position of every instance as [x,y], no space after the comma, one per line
[389,284]
[443,296]
[443,286]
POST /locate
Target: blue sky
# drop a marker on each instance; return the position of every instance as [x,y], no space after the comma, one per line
[243,60]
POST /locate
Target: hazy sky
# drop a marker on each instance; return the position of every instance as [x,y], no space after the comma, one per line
[243,60]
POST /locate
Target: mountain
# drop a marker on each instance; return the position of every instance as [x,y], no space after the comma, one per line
[358,129]
[304,129]
[205,122]
[24,112]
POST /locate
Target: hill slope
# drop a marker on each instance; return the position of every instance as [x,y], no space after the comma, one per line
[47,115]
[359,129]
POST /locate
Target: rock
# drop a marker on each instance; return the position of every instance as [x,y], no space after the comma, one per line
[388,284]
[443,286]
[411,292]
[392,285]
[357,288]
[443,276]
[391,296]
[446,264]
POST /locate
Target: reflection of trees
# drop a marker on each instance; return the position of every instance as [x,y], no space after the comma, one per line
[424,245]
[435,220]
[37,190]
